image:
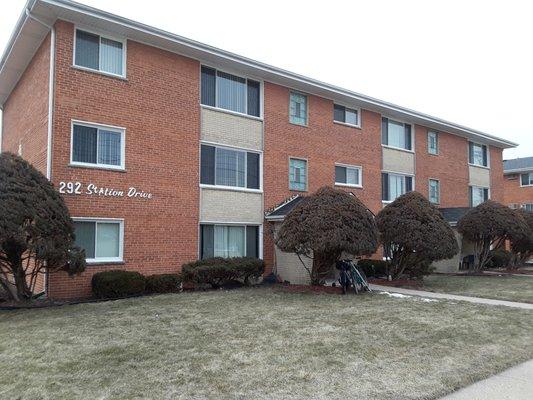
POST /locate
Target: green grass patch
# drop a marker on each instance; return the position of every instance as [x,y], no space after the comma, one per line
[258,343]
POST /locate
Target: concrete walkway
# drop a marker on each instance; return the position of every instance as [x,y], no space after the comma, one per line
[513,384]
[432,295]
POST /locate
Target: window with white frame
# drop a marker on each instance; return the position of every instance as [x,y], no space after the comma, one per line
[478,195]
[528,207]
[97,145]
[526,179]
[298,108]
[229,241]
[433,142]
[396,134]
[230,92]
[221,166]
[297,174]
[348,175]
[434,191]
[394,185]
[101,239]
[477,154]
[345,115]
[99,53]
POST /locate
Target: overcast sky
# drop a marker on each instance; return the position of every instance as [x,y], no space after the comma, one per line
[470,62]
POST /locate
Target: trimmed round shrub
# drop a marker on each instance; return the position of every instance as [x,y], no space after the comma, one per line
[218,271]
[117,283]
[327,224]
[414,233]
[163,283]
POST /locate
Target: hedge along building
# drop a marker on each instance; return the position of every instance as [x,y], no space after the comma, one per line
[167,150]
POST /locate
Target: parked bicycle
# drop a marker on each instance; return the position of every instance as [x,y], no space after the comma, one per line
[350,276]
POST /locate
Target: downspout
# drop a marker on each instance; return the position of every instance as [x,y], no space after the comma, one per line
[50,91]
[51,82]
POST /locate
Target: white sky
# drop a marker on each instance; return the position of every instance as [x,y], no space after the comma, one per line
[470,62]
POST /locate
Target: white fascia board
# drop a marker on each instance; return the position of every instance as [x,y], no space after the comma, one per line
[69,10]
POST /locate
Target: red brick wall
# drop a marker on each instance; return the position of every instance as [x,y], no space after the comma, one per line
[323,143]
[158,105]
[514,193]
[450,167]
[25,115]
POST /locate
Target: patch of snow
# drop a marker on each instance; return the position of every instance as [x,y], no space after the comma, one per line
[425,299]
[404,296]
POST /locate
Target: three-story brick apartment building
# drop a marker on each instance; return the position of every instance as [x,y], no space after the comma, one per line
[167,150]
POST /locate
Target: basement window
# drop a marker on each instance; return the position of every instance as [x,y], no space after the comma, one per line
[229,241]
[101,239]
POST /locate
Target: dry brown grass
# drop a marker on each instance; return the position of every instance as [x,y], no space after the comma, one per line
[257,343]
[505,287]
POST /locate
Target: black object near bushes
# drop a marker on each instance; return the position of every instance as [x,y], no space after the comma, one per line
[500,258]
[218,271]
[374,268]
[163,283]
[117,283]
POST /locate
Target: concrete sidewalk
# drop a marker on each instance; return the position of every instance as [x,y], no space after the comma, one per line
[507,274]
[432,295]
[513,384]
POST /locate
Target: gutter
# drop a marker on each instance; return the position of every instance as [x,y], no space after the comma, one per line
[16,33]
[51,82]
[434,122]
[518,170]
[50,90]
[265,68]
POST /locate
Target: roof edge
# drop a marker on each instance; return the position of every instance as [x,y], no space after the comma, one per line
[229,56]
[23,17]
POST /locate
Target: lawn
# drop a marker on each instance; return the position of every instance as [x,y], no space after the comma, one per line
[512,288]
[258,343]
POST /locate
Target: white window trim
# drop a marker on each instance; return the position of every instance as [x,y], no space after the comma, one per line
[520,177]
[112,128]
[306,108]
[105,36]
[437,140]
[358,109]
[105,260]
[478,165]
[244,224]
[239,75]
[360,171]
[429,190]
[400,122]
[306,174]
[234,188]
[399,174]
